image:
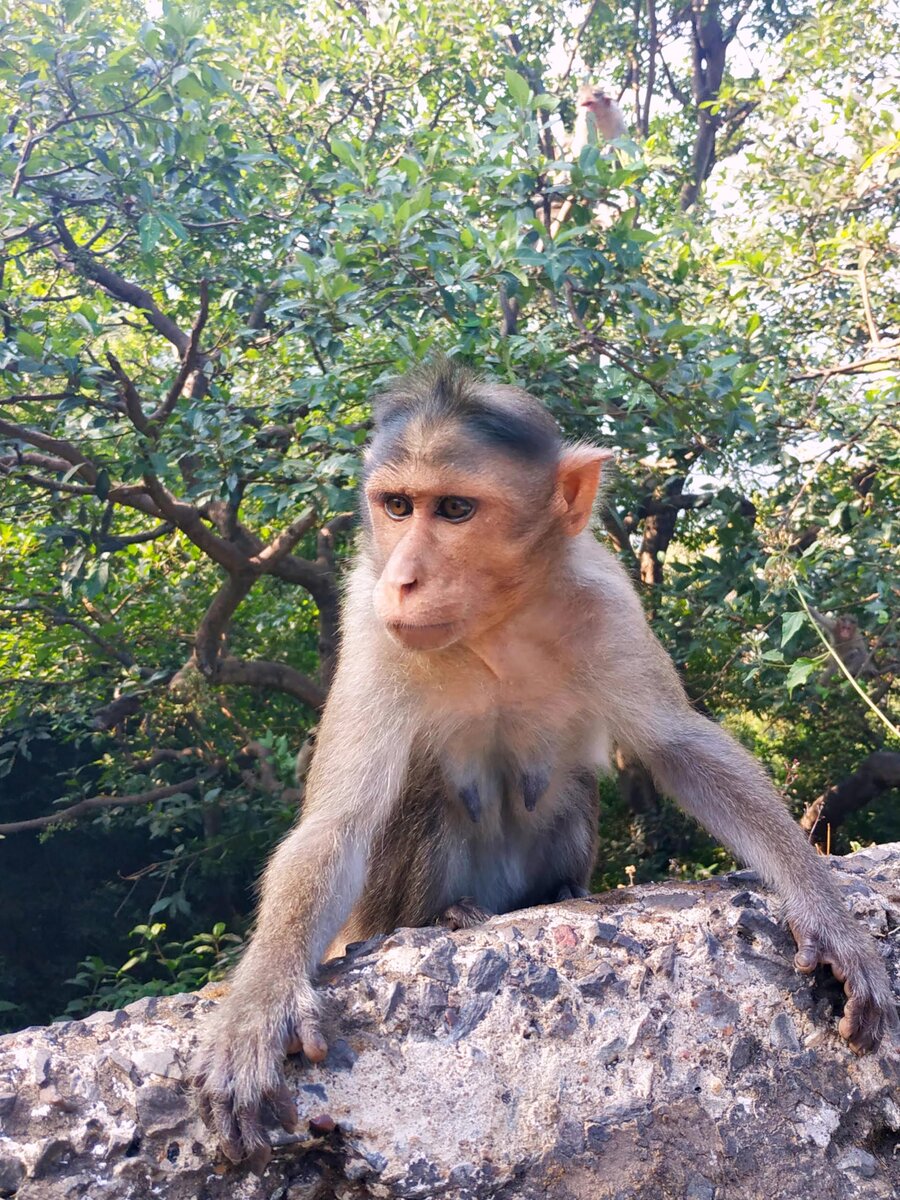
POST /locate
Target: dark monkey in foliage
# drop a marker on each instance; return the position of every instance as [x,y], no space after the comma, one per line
[493,652]
[848,644]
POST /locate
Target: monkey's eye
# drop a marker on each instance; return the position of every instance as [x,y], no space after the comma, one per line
[397,507]
[455,508]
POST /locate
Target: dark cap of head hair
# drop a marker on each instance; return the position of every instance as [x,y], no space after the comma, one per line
[443,391]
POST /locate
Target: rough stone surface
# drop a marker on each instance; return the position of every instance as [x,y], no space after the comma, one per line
[648,1044]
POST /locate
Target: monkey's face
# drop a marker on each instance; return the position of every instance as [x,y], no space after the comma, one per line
[461,536]
[451,549]
[594,99]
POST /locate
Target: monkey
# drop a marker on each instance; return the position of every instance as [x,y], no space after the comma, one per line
[598,119]
[848,643]
[493,654]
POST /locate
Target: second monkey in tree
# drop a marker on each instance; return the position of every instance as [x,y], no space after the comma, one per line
[493,653]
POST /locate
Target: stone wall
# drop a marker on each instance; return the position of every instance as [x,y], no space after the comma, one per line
[650,1043]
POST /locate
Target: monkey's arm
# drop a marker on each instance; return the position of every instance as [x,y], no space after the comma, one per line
[642,702]
[716,781]
[308,889]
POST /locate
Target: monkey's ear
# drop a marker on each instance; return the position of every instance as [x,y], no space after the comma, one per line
[577,480]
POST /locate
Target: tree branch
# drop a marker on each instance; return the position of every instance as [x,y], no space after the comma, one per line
[262,673]
[111,542]
[883,359]
[214,624]
[877,773]
[190,361]
[614,526]
[187,518]
[93,803]
[271,555]
[134,406]
[82,262]
[56,446]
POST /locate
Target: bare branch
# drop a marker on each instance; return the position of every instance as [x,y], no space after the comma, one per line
[877,773]
[270,556]
[290,568]
[652,52]
[612,522]
[134,406]
[93,803]
[882,360]
[190,361]
[57,446]
[578,36]
[261,673]
[188,519]
[111,542]
[211,630]
[28,397]
[60,617]
[82,262]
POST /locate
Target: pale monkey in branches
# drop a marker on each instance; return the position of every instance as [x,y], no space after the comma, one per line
[493,653]
[598,119]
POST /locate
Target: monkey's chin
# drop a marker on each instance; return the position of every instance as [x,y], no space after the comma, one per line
[423,637]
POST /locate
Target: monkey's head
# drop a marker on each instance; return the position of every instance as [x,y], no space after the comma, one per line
[595,100]
[845,628]
[468,488]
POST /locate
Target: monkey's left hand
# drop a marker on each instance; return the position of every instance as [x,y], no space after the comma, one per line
[870,1014]
[239,1073]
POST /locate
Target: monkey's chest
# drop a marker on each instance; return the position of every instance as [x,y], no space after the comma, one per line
[503,819]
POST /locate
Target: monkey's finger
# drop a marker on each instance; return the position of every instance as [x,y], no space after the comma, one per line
[861,1035]
[282,1104]
[260,1158]
[227,1128]
[256,1148]
[860,1023]
[807,957]
[204,1107]
[308,1040]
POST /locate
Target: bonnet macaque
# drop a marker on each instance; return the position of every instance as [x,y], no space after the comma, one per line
[493,653]
[848,643]
[598,119]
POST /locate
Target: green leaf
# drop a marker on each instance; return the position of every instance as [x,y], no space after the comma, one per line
[791,622]
[149,230]
[517,87]
[799,673]
[172,223]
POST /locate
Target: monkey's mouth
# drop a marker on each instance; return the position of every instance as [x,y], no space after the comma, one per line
[422,637]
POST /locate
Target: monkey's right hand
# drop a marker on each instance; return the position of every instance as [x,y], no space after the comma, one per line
[239,1069]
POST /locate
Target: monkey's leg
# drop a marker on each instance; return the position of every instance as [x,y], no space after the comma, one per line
[569,848]
[464,914]
[570,890]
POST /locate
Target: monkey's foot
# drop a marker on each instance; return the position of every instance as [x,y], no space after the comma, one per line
[870,1014]
[570,891]
[464,914]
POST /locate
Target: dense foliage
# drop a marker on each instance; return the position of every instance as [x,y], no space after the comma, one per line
[224,225]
